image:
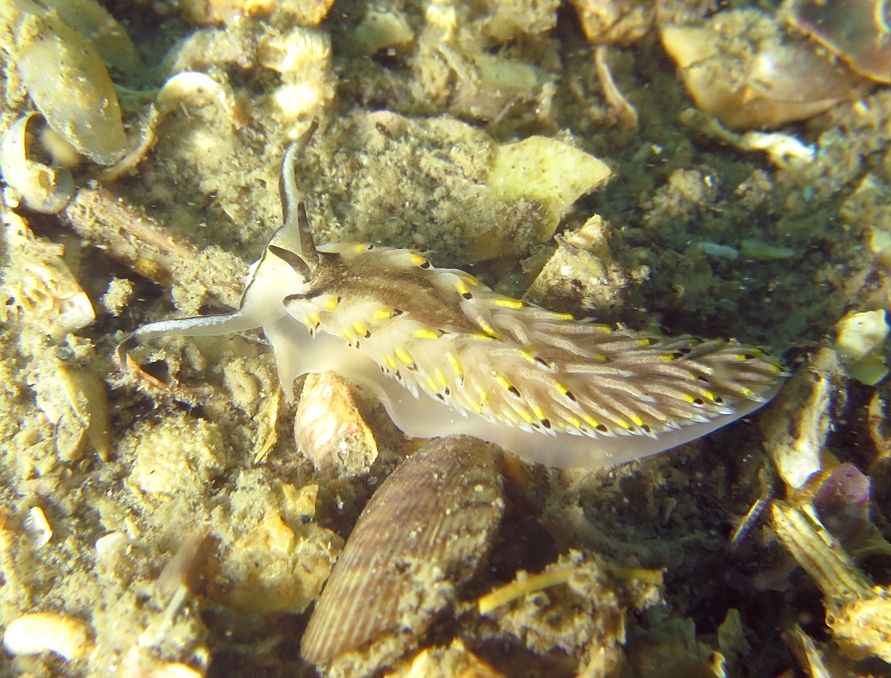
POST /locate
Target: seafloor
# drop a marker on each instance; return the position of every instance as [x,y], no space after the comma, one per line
[162,517]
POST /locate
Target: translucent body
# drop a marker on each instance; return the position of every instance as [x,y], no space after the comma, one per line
[447,355]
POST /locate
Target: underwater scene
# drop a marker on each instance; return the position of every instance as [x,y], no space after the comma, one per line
[445,338]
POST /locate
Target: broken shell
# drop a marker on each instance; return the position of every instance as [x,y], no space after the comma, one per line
[578,604]
[797,423]
[615,22]
[45,632]
[280,563]
[583,273]
[183,85]
[184,568]
[69,84]
[454,661]
[859,345]
[422,535]
[622,109]
[858,613]
[545,171]
[806,652]
[88,402]
[97,25]
[381,30]
[41,291]
[329,428]
[38,527]
[74,401]
[740,67]
[856,31]
[491,84]
[42,188]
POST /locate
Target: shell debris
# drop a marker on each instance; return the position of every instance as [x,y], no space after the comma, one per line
[454,661]
[38,527]
[67,81]
[796,426]
[40,187]
[329,429]
[855,31]
[615,22]
[857,613]
[740,66]
[574,604]
[420,537]
[41,290]
[101,29]
[584,273]
[859,342]
[562,174]
[280,563]
[74,400]
[232,12]
[40,632]
[381,30]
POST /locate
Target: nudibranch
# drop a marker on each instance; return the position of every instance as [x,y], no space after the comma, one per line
[446,354]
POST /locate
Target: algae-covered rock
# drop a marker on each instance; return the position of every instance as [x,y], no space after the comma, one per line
[442,185]
[279,563]
[181,456]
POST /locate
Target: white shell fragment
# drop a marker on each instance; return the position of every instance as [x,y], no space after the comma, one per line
[40,187]
[859,345]
[109,548]
[38,527]
[41,632]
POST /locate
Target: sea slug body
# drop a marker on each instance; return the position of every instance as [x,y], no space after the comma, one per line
[447,355]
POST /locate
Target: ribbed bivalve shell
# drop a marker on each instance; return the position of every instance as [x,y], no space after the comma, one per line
[422,535]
